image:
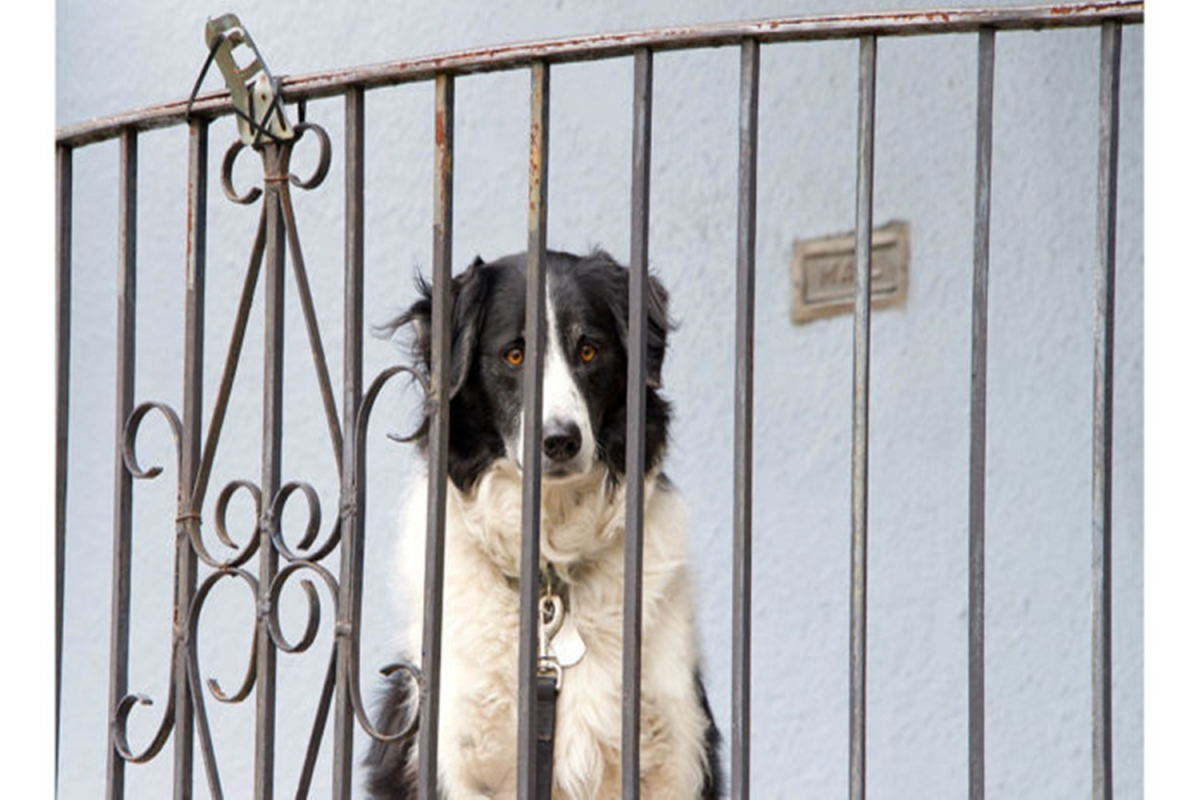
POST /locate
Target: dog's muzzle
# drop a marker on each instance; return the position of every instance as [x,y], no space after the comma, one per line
[561,442]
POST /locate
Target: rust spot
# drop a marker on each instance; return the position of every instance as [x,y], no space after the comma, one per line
[1066,11]
[439,133]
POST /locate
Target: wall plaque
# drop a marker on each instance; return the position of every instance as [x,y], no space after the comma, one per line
[823,273]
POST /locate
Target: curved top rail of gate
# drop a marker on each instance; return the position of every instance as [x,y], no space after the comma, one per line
[612,45]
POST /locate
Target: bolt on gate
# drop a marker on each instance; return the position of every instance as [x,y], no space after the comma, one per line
[266,562]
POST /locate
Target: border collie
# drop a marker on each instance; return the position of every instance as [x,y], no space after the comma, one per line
[582,547]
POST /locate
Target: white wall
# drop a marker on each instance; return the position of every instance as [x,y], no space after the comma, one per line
[112,56]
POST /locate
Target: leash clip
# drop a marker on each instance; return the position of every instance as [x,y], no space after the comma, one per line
[550,621]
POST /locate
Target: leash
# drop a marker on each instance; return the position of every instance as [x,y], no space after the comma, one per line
[551,612]
[547,703]
[559,646]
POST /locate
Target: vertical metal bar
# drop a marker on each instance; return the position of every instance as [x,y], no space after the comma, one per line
[328,685]
[862,372]
[123,502]
[232,360]
[978,459]
[743,442]
[316,346]
[439,434]
[275,165]
[531,488]
[62,417]
[191,441]
[1102,413]
[353,485]
[635,435]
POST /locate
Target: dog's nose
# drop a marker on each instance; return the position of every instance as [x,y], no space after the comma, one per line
[561,440]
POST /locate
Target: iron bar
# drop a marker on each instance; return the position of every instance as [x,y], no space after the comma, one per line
[862,395]
[190,443]
[976,511]
[439,434]
[123,502]
[314,742]
[275,168]
[63,197]
[352,464]
[232,359]
[743,431]
[309,313]
[635,438]
[1102,413]
[531,486]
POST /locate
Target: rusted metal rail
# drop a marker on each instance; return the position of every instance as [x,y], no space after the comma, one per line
[613,45]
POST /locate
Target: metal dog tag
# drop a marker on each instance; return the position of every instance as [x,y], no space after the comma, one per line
[567,645]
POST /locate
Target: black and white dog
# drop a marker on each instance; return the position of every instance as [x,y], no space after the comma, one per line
[582,535]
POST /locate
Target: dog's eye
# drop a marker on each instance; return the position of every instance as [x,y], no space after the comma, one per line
[587,353]
[515,356]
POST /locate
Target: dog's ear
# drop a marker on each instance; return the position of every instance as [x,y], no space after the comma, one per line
[466,295]
[656,332]
[616,287]
[468,290]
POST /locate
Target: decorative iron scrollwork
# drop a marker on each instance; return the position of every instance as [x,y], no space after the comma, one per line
[264,128]
[120,721]
[304,551]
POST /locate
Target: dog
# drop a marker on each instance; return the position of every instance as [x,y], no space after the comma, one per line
[582,546]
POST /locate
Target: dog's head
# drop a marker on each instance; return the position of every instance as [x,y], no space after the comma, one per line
[583,375]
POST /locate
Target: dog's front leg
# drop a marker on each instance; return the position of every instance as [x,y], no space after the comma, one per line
[477,746]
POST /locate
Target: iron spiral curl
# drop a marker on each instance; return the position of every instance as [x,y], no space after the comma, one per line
[314,606]
[324,159]
[207,751]
[133,426]
[242,553]
[214,687]
[311,530]
[120,721]
[350,634]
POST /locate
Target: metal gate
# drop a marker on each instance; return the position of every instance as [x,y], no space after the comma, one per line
[266,562]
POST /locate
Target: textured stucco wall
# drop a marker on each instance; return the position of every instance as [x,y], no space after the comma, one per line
[112,56]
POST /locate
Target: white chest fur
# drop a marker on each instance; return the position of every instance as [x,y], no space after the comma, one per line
[583,537]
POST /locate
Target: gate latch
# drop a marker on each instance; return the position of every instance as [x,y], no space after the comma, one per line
[253,90]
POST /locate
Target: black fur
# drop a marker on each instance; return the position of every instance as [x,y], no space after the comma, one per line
[391,767]
[714,780]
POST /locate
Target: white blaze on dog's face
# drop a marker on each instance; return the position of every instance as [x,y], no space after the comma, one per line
[583,367]
[568,442]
